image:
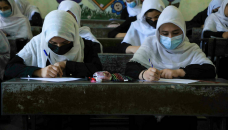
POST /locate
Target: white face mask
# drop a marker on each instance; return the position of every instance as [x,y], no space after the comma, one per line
[171,43]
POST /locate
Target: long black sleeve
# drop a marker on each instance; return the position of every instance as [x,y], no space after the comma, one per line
[208,34]
[90,65]
[198,20]
[133,69]
[123,28]
[16,69]
[122,47]
[36,20]
[96,47]
[124,14]
[193,71]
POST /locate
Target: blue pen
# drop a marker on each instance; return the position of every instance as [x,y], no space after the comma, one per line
[48,57]
[151,64]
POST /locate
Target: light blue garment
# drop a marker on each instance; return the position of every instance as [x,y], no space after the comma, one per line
[171,43]
[6,13]
[132,4]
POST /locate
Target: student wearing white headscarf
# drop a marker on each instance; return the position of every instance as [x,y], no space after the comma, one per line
[144,27]
[30,11]
[4,53]
[75,10]
[69,54]
[216,25]
[170,53]
[12,22]
[199,19]
[129,14]
[133,9]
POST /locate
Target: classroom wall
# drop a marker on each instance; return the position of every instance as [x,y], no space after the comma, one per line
[106,9]
[190,8]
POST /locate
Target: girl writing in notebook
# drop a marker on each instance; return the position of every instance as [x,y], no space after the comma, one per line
[170,52]
[69,54]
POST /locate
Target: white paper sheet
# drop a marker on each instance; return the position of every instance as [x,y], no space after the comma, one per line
[183,81]
[63,79]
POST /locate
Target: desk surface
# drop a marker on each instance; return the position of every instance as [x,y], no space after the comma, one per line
[208,98]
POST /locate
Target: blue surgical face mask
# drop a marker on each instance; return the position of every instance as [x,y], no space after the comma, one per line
[6,13]
[132,4]
[171,43]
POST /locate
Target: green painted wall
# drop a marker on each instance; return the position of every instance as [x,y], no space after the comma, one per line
[190,8]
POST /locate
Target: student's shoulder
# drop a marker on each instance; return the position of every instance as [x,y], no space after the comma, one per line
[35,41]
[88,43]
[135,24]
[151,38]
[150,41]
[211,17]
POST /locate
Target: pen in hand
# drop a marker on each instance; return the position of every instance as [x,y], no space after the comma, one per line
[153,67]
[48,57]
[151,63]
[60,73]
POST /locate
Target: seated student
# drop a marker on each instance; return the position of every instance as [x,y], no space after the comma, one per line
[30,11]
[199,19]
[216,24]
[170,52]
[4,54]
[69,54]
[75,10]
[143,27]
[13,23]
[133,9]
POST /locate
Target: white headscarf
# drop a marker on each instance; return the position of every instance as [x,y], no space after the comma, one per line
[185,54]
[213,5]
[26,9]
[74,8]
[217,21]
[134,11]
[16,25]
[4,53]
[56,24]
[140,29]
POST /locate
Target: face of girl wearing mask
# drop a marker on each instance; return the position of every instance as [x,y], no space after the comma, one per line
[152,17]
[5,9]
[60,46]
[131,3]
[171,36]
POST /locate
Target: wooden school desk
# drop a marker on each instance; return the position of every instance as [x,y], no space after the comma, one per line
[204,98]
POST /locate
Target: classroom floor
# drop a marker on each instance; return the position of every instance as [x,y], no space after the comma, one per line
[17,124]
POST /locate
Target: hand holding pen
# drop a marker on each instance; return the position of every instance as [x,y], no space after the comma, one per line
[50,71]
[152,74]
